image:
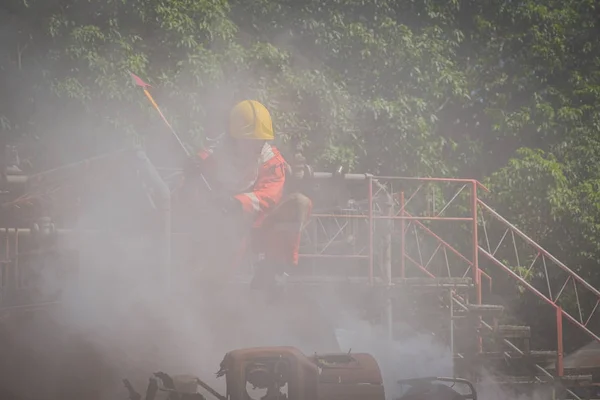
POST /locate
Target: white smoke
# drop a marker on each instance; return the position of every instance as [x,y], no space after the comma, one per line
[419,356]
[115,322]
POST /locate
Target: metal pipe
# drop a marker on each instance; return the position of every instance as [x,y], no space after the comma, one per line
[330,175]
[5,269]
[15,179]
[62,172]
[387,254]
[337,256]
[28,232]
[559,346]
[402,238]
[475,241]
[27,307]
[423,269]
[16,261]
[407,218]
[388,209]
[451,303]
[210,389]
[387,257]
[68,231]
[417,179]
[371,231]
[475,257]
[76,167]
[164,205]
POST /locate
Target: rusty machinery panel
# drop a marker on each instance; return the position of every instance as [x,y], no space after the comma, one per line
[275,369]
[285,373]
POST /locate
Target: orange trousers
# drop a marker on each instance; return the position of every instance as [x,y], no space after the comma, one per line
[277,239]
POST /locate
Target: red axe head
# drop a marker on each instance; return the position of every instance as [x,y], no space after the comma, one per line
[138,81]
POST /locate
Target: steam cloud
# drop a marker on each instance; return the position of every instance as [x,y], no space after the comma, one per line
[117,321]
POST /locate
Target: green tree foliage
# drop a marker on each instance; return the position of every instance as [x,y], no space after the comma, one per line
[356,83]
[544,103]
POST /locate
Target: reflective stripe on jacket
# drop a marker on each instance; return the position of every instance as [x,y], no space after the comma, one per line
[262,188]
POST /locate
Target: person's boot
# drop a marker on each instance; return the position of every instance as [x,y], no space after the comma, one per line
[271,279]
[264,276]
[279,288]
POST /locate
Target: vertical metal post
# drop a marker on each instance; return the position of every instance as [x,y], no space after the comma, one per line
[451,293]
[389,226]
[15,264]
[475,243]
[371,250]
[402,238]
[167,239]
[5,268]
[559,338]
[475,260]
[315,247]
[11,273]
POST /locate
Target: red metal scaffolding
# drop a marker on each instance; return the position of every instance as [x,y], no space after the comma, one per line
[396,227]
[430,218]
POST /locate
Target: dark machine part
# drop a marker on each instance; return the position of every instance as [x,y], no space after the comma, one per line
[12,179]
[432,388]
[300,168]
[270,374]
[328,376]
[43,230]
[335,376]
[11,163]
[133,395]
[168,386]
[268,368]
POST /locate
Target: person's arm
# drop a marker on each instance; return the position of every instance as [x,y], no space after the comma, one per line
[195,163]
[267,191]
[197,172]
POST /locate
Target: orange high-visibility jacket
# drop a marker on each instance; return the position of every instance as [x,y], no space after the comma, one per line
[258,189]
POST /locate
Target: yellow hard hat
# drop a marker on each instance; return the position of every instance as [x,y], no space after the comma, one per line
[250,119]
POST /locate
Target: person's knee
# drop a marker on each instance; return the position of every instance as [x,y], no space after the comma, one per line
[301,203]
[294,209]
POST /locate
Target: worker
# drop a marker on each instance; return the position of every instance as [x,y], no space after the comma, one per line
[246,175]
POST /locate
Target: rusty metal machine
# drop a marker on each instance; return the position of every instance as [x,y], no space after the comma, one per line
[270,373]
